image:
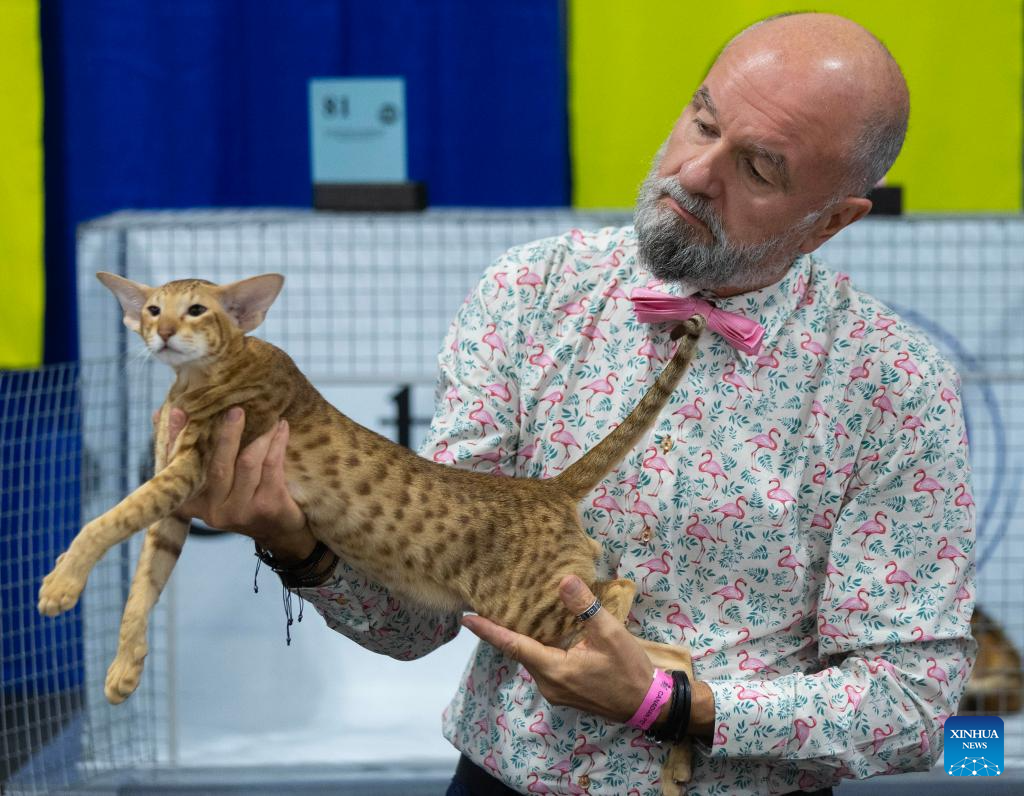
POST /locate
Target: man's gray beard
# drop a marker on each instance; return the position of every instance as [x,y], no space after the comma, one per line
[671,250]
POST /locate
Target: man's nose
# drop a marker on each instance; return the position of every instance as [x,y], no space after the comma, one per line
[700,175]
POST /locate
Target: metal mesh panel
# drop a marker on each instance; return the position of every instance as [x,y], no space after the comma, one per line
[368,299]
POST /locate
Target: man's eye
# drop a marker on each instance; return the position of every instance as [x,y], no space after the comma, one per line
[703,128]
[152,309]
[196,309]
[755,173]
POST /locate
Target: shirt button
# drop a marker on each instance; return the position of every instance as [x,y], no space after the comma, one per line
[666,443]
[645,537]
[584,782]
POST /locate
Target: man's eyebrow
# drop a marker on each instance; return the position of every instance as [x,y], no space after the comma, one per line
[703,97]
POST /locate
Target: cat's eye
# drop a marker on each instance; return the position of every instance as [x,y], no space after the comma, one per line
[196,309]
[152,309]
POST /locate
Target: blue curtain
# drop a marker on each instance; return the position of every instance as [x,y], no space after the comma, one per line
[185,103]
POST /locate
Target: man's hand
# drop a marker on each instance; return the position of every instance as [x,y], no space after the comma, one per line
[246,492]
[606,674]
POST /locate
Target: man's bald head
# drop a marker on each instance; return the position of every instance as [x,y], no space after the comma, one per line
[848,77]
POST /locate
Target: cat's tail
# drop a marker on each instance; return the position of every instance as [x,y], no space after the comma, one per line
[583,475]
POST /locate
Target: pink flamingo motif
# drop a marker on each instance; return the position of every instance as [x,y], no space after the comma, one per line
[494,341]
[650,353]
[727,593]
[912,424]
[570,309]
[680,620]
[540,359]
[631,483]
[882,403]
[563,767]
[947,396]
[749,664]
[600,387]
[499,391]
[857,373]
[923,745]
[930,486]
[501,280]
[965,500]
[790,561]
[494,457]
[921,635]
[840,432]
[824,520]
[854,604]
[949,553]
[878,663]
[659,465]
[591,331]
[869,529]
[858,330]
[818,411]
[529,279]
[525,678]
[815,349]
[734,510]
[608,504]
[736,382]
[938,674]
[502,722]
[901,578]
[879,736]
[829,630]
[640,742]
[962,596]
[614,292]
[884,324]
[906,364]
[853,696]
[588,749]
[763,442]
[543,729]
[483,417]
[830,570]
[536,786]
[721,739]
[780,495]
[443,455]
[820,474]
[803,728]
[701,534]
[689,412]
[452,396]
[613,260]
[750,695]
[491,763]
[768,360]
[640,507]
[712,468]
[659,565]
[840,278]
[565,439]
[554,397]
[528,452]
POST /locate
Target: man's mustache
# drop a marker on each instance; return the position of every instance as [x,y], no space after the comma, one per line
[691,204]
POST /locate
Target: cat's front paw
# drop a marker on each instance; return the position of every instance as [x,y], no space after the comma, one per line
[124,673]
[60,590]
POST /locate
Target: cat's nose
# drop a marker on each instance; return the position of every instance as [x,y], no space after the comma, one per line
[165,333]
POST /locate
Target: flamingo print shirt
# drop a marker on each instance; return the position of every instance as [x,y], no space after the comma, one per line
[800,518]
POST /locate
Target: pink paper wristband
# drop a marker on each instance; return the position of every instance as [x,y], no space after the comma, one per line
[657,695]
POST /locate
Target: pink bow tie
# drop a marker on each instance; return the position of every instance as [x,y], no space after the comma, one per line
[742,333]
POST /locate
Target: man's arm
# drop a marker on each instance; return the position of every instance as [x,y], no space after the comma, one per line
[895,660]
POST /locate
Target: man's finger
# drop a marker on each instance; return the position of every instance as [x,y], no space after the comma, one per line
[516,646]
[221,473]
[249,468]
[273,464]
[578,598]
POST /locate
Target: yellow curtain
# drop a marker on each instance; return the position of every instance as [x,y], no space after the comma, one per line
[22,272]
[633,66]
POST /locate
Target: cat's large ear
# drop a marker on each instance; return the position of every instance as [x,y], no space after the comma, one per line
[132,296]
[247,301]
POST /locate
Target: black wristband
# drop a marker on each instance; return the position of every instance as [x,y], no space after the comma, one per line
[308,572]
[677,722]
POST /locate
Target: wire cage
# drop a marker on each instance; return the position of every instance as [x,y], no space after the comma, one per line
[367,300]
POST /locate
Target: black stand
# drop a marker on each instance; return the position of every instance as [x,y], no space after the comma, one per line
[370,197]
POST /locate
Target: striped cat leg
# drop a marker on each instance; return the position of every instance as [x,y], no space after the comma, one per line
[151,502]
[679,766]
[160,551]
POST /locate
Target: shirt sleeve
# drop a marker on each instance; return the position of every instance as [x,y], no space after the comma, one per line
[894,636]
[474,426]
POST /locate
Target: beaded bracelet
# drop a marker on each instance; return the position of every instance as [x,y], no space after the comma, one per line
[307,572]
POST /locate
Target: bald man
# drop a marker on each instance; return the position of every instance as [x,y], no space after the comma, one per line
[783,521]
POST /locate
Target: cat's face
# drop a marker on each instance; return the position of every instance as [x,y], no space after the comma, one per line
[191,321]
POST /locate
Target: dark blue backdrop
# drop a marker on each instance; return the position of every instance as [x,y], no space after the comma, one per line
[185,103]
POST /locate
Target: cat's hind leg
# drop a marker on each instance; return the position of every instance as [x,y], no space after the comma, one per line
[160,551]
[151,502]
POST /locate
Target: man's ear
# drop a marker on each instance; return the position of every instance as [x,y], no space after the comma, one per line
[840,215]
[247,301]
[131,295]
